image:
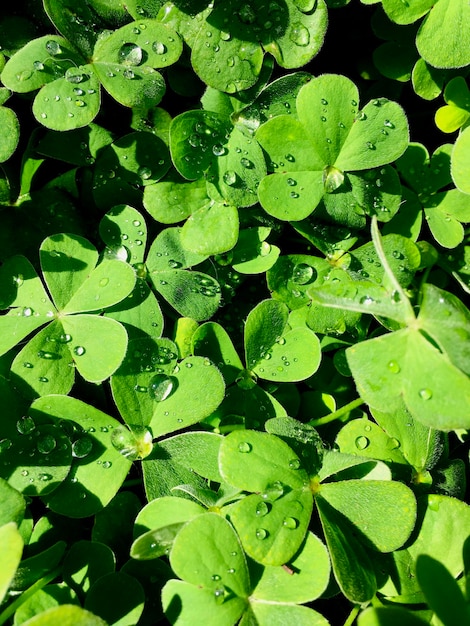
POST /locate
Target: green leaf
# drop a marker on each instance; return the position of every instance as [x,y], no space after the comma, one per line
[361,436]
[459,161]
[23,291]
[268,613]
[212,340]
[91,483]
[173,200]
[125,226]
[192,294]
[182,601]
[11,135]
[389,616]
[350,561]
[123,168]
[69,102]
[442,592]
[253,254]
[438,41]
[85,563]
[199,389]
[406,364]
[306,582]
[98,345]
[456,112]
[276,352]
[14,504]
[207,553]
[211,229]
[273,521]
[237,169]
[117,598]
[406,13]
[382,512]
[39,62]
[65,615]
[379,136]
[163,512]
[12,548]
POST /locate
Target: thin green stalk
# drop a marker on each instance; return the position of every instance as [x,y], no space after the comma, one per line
[337,414]
[39,584]
[352,616]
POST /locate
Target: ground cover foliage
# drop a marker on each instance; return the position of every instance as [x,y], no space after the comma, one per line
[234,340]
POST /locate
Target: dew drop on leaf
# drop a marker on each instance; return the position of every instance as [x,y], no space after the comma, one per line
[130,54]
[82,447]
[106,464]
[425,394]
[28,365]
[46,444]
[362,442]
[291,182]
[261,533]
[218,149]
[79,350]
[27,311]
[5,444]
[225,36]
[244,447]
[274,491]
[302,273]
[160,387]
[393,367]
[230,177]
[25,425]
[294,463]
[38,65]
[299,34]
[53,48]
[262,509]
[290,522]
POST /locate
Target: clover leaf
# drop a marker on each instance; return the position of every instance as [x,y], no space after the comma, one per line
[331,137]
[456,112]
[459,161]
[74,332]
[97,469]
[444,210]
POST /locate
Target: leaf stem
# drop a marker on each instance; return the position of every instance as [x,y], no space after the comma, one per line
[347,408]
[398,289]
[39,584]
[352,616]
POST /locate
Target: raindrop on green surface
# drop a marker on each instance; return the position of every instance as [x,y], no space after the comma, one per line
[244,447]
[53,48]
[160,387]
[262,509]
[79,350]
[362,442]
[25,425]
[393,367]
[302,273]
[46,444]
[130,54]
[290,523]
[425,394]
[261,533]
[158,47]
[82,447]
[299,34]
[230,177]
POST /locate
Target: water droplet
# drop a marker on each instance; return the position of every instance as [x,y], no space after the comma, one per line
[261,533]
[130,54]
[393,367]
[25,74]
[80,103]
[246,163]
[262,508]
[128,73]
[294,463]
[290,522]
[24,473]
[38,65]
[370,145]
[158,47]
[218,149]
[362,442]
[273,491]
[244,447]
[5,444]
[225,36]
[291,182]
[106,464]
[144,172]
[73,75]
[393,444]
[160,387]
[140,389]
[230,177]
[281,341]
[389,124]
[302,273]
[25,425]
[53,48]
[42,354]
[79,350]
[43,379]
[231,570]
[425,394]
[299,34]
[366,300]
[82,447]
[46,444]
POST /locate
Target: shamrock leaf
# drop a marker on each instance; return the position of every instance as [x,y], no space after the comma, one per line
[459,162]
[273,520]
[98,469]
[456,112]
[74,332]
[11,136]
[330,138]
